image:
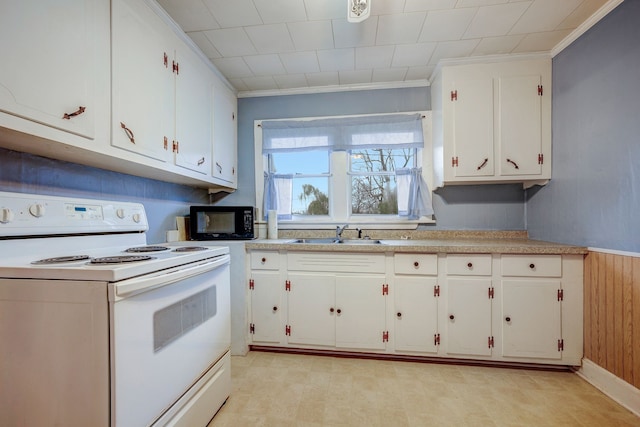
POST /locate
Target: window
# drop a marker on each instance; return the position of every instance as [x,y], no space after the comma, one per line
[357,169]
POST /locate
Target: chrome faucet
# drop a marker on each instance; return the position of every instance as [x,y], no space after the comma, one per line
[339,231]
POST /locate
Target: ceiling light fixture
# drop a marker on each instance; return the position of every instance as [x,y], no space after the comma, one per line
[358,10]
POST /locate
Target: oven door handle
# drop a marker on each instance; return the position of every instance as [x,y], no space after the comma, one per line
[138,285]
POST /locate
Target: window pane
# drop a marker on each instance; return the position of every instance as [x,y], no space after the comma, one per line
[374,194]
[382,160]
[310,196]
[301,162]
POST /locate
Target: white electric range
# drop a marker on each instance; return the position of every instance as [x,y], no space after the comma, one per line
[97,327]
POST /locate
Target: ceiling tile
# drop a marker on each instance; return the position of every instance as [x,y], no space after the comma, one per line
[311,35]
[336,60]
[260,83]
[374,56]
[231,42]
[352,77]
[300,62]
[581,14]
[422,5]
[389,74]
[291,81]
[325,9]
[271,38]
[385,7]
[411,55]
[265,65]
[419,73]
[537,17]
[191,15]
[279,11]
[234,13]
[329,78]
[491,21]
[399,29]
[476,3]
[238,84]
[457,49]
[232,67]
[204,44]
[347,34]
[497,45]
[445,25]
[540,42]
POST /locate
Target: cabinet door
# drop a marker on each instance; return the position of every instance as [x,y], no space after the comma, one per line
[312,309]
[51,53]
[468,316]
[416,311]
[531,318]
[194,113]
[225,137]
[520,125]
[471,127]
[360,312]
[143,50]
[266,302]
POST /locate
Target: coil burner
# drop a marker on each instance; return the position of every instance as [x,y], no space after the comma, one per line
[120,259]
[190,249]
[61,259]
[140,249]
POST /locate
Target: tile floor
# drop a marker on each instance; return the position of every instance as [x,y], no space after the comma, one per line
[271,389]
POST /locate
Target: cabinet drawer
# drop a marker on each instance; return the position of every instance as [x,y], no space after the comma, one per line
[532,265]
[265,260]
[336,262]
[469,265]
[426,264]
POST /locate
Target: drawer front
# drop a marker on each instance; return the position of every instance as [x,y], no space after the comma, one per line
[532,265]
[265,260]
[469,265]
[336,262]
[424,264]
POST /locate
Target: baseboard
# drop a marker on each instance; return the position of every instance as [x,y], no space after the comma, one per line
[617,389]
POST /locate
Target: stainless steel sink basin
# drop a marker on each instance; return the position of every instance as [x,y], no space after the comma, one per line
[331,240]
[322,241]
[359,242]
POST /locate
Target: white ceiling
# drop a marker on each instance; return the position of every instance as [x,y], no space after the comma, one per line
[302,45]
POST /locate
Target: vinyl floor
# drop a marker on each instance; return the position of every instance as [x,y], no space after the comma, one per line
[273,389]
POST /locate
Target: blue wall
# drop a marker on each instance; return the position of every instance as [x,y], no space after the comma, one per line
[25,173]
[594,196]
[497,207]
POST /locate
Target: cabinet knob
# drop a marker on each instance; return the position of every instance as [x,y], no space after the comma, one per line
[451,316]
[469,264]
[338,311]
[331,310]
[275,308]
[507,319]
[532,266]
[263,260]
[399,315]
[416,264]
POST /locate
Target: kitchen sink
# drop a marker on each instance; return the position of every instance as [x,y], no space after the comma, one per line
[322,241]
[331,240]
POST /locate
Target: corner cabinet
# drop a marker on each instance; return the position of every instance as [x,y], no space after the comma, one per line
[492,122]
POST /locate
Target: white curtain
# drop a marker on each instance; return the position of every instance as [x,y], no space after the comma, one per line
[277,194]
[414,198]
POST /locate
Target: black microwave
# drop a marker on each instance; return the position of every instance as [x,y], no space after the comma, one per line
[222,222]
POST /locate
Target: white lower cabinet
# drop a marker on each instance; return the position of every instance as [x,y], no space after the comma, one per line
[266,301]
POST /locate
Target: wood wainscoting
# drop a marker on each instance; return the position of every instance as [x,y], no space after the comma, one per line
[612,313]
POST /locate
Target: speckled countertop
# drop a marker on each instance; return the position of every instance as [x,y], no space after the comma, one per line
[504,242]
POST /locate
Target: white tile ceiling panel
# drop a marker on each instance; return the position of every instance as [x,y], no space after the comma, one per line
[374,57]
[411,55]
[537,17]
[336,59]
[265,65]
[347,34]
[231,42]
[311,35]
[272,38]
[267,45]
[278,11]
[492,21]
[300,62]
[192,15]
[446,25]
[400,29]
[235,13]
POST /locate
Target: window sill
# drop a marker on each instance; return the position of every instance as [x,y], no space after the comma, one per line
[353,223]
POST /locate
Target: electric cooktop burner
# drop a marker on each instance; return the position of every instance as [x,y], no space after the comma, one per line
[120,259]
[148,249]
[190,249]
[61,259]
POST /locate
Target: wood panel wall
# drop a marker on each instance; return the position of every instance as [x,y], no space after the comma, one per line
[612,314]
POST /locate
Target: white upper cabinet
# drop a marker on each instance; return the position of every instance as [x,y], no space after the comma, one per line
[225,151]
[55,69]
[492,122]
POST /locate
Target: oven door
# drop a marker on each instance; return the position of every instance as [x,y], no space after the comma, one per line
[167,330]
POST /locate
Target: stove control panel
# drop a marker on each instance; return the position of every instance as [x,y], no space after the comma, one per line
[32,214]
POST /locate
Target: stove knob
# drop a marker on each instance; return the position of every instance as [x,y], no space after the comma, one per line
[120,213]
[136,217]
[6,215]
[37,210]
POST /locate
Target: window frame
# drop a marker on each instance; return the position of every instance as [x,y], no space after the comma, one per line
[340,185]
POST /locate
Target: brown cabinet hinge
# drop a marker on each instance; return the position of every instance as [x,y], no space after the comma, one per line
[540,159]
[385,289]
[436,339]
[490,341]
[454,95]
[166,60]
[540,90]
[176,147]
[491,293]
[166,143]
[454,162]
[252,328]
[385,336]
[436,290]
[287,330]
[560,295]
[251,283]
[176,67]
[560,345]
[287,285]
